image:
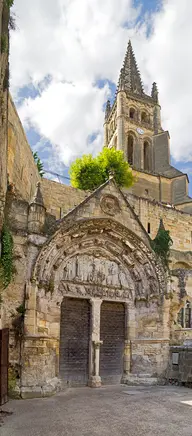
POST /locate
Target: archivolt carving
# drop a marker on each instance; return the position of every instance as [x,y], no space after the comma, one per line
[100,256]
[86,291]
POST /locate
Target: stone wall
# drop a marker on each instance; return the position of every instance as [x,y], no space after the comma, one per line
[147,185]
[4,84]
[22,170]
[161,151]
[149,358]
[177,222]
[180,364]
[59,199]
[41,355]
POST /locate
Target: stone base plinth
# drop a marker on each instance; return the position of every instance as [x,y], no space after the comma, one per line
[94,381]
[133,380]
[50,388]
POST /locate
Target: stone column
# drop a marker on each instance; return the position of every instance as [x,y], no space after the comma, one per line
[141,144]
[129,336]
[30,315]
[94,378]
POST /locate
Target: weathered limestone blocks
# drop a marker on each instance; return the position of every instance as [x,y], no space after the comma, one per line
[180,364]
[40,367]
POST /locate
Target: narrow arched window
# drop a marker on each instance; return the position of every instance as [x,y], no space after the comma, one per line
[146,157]
[130,149]
[185,316]
[132,113]
[144,117]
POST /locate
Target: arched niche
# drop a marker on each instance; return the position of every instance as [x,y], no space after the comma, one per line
[130,148]
[145,118]
[132,113]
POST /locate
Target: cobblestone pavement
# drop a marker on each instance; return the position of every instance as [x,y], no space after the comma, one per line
[113,410]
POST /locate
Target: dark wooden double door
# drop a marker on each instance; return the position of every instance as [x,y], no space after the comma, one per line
[75,341]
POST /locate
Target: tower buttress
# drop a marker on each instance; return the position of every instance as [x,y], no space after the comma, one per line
[107,113]
[157,109]
[121,99]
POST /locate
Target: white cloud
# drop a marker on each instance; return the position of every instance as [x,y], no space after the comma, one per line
[170,63]
[76,43]
[65,114]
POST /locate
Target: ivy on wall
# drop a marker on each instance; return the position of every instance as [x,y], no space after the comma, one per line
[4,43]
[6,259]
[161,245]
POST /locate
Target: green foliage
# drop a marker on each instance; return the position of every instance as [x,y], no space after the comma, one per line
[39,164]
[9,3]
[112,162]
[4,43]
[6,260]
[85,173]
[161,245]
[89,172]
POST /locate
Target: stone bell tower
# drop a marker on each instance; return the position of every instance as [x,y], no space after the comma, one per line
[133,124]
[134,117]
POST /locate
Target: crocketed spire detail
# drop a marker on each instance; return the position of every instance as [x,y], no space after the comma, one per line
[107,109]
[130,79]
[154,92]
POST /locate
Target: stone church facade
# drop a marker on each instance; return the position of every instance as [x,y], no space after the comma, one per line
[98,305]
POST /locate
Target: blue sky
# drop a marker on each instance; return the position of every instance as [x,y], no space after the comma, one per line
[63,73]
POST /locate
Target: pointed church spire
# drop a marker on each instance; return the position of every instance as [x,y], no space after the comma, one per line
[38,198]
[130,73]
[154,93]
